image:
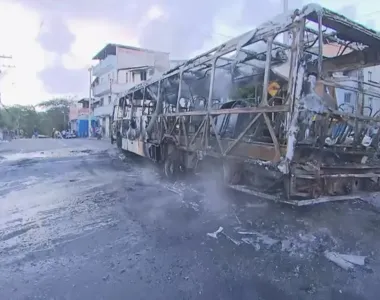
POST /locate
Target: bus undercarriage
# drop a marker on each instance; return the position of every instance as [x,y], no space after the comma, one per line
[270,115]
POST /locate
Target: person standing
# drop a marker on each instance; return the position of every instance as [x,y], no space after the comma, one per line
[35,132]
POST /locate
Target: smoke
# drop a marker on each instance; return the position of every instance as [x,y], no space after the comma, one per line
[56,37]
[184,27]
[59,80]
[256,14]
[181,28]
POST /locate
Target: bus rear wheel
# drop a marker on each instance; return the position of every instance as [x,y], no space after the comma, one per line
[118,141]
[170,168]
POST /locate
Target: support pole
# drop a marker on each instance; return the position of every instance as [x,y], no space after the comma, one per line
[89,102]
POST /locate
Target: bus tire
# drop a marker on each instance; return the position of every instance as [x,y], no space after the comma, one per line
[118,141]
[170,168]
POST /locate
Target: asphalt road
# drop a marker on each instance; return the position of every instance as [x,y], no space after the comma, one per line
[78,220]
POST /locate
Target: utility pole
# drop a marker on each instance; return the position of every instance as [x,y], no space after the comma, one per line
[6,66]
[2,73]
[89,101]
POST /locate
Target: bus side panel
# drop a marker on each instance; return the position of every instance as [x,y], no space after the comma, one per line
[136,146]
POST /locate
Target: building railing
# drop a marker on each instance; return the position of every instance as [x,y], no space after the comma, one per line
[104,66]
[101,111]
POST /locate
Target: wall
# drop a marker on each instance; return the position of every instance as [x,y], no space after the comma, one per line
[372,76]
[133,77]
[104,66]
[77,110]
[128,58]
[348,98]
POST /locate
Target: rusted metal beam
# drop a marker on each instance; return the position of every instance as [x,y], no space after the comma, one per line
[239,110]
[268,61]
[274,138]
[216,135]
[242,134]
[197,132]
[184,132]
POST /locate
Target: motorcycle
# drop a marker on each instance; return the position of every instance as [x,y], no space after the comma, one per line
[98,134]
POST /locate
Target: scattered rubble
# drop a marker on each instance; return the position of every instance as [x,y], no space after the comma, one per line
[215,234]
[345,261]
[260,237]
[236,242]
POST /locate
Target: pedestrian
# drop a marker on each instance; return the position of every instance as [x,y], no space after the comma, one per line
[35,132]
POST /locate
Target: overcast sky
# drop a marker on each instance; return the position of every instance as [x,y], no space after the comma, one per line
[52,42]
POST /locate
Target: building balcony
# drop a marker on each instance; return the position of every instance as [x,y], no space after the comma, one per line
[101,89]
[104,66]
[119,88]
[107,88]
[103,111]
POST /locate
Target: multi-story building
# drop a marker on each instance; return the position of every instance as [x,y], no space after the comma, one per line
[118,69]
[367,80]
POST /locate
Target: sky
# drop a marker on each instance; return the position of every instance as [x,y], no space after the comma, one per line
[52,42]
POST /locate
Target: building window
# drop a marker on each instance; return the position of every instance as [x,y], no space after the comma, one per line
[126,76]
[369,76]
[143,75]
[109,99]
[347,97]
[133,76]
[101,101]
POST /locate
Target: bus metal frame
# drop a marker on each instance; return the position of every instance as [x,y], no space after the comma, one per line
[303,157]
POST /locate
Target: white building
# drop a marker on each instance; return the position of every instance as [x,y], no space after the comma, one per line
[119,68]
[369,78]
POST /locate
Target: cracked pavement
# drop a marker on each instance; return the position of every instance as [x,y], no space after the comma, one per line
[80,220]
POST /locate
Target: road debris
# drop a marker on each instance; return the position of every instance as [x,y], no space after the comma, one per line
[251,241]
[260,237]
[345,261]
[237,219]
[236,242]
[215,234]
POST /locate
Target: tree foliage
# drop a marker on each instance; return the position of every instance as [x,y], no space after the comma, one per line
[45,116]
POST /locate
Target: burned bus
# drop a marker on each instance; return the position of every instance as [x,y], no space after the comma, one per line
[269,107]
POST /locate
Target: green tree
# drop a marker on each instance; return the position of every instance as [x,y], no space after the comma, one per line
[19,117]
[55,114]
[45,116]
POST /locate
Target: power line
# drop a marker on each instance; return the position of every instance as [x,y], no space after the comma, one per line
[2,73]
